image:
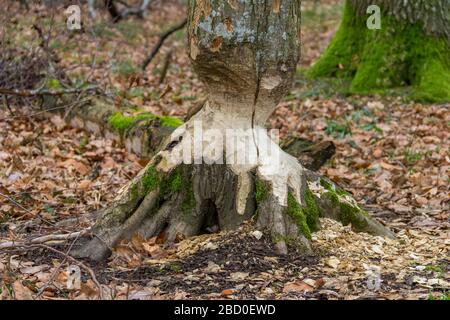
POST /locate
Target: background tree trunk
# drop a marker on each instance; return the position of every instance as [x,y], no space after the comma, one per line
[246,53]
[411,49]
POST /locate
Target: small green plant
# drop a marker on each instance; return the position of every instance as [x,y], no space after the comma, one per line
[411,157]
[359,114]
[444,296]
[371,126]
[54,84]
[437,269]
[49,209]
[337,129]
[124,68]
[176,268]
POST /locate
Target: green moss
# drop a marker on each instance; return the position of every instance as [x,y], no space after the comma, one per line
[189,201]
[398,55]
[296,212]
[311,211]
[177,182]
[328,186]
[54,84]
[173,183]
[260,191]
[431,70]
[151,179]
[170,121]
[401,54]
[383,60]
[134,191]
[123,123]
[348,213]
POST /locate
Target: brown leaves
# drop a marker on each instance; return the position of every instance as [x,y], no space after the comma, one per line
[303,286]
[80,167]
[21,292]
[298,286]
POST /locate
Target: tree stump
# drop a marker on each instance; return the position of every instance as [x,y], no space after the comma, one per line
[222,167]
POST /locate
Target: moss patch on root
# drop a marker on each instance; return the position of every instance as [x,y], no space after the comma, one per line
[306,217]
[333,188]
[260,191]
[311,211]
[399,55]
[180,182]
[151,179]
[123,123]
[347,212]
[177,182]
[174,183]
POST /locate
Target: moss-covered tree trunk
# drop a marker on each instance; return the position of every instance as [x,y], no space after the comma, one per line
[221,167]
[412,49]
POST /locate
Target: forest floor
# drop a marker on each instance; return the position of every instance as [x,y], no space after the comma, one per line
[392,155]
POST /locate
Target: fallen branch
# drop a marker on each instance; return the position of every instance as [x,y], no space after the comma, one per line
[45,92]
[161,40]
[41,240]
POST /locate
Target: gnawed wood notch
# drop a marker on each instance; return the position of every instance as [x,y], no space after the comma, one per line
[185,189]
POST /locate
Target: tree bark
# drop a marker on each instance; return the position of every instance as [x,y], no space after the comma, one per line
[246,54]
[412,48]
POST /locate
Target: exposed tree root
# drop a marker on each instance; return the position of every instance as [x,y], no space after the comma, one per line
[179,200]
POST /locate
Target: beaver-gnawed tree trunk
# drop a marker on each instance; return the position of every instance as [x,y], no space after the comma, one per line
[412,48]
[246,54]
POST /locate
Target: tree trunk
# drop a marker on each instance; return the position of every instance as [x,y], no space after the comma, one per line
[221,167]
[412,48]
